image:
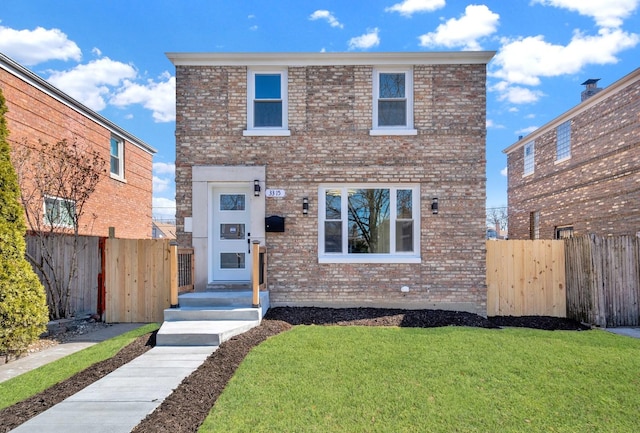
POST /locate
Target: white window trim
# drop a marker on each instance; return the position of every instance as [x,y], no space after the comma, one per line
[524,159]
[345,257]
[57,200]
[282,131]
[120,175]
[407,129]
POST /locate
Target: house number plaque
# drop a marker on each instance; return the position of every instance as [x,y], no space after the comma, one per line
[275,193]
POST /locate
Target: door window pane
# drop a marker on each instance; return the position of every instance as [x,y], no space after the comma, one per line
[232,202]
[232,260]
[231,231]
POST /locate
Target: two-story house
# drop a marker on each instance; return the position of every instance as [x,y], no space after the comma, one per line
[40,113]
[580,172]
[362,173]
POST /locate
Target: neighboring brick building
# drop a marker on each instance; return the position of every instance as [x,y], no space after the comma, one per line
[580,173]
[39,112]
[376,162]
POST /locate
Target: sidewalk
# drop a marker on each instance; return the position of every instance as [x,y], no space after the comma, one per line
[38,359]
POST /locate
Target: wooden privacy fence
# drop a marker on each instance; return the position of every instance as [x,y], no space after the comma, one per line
[603,280]
[138,274]
[526,278]
[84,288]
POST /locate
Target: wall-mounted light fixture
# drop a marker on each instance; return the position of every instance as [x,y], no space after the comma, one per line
[256,188]
[305,205]
[434,205]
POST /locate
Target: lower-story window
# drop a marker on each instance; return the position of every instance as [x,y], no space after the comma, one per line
[59,212]
[564,232]
[369,223]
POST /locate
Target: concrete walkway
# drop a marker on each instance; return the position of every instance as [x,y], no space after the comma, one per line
[119,401]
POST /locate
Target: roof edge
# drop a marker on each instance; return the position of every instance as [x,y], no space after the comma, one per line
[327,59]
[605,93]
[23,73]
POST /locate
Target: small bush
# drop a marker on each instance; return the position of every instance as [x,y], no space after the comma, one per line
[23,305]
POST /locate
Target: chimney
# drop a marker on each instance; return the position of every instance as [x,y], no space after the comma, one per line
[591,89]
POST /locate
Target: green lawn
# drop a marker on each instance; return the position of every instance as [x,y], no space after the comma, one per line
[366,379]
[33,382]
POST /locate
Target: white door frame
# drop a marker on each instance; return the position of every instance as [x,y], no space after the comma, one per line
[204,180]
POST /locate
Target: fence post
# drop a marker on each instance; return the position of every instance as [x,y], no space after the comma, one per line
[256,274]
[173,257]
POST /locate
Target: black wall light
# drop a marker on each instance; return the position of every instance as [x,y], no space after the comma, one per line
[256,188]
[434,205]
[305,205]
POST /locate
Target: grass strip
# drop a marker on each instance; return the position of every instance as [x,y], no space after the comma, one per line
[367,379]
[30,383]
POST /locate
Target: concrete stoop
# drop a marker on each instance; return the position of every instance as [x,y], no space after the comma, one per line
[210,318]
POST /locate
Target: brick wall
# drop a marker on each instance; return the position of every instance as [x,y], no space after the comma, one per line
[597,190]
[330,115]
[33,116]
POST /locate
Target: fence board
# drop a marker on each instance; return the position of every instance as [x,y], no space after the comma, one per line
[526,278]
[137,279]
[84,288]
[604,284]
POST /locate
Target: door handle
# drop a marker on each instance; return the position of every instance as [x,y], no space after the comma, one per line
[249,243]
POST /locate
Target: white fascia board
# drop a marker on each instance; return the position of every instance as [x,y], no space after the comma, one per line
[329,59]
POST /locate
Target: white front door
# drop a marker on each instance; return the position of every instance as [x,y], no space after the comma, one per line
[231,237]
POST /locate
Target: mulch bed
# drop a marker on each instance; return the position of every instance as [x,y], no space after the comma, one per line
[187,407]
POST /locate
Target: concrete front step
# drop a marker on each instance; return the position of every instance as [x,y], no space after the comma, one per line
[201,332]
[221,299]
[211,313]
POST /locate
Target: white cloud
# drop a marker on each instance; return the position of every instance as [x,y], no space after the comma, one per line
[525,60]
[368,40]
[164,168]
[164,208]
[253,28]
[89,83]
[526,131]
[606,13]
[30,47]
[157,96]
[490,124]
[326,15]
[516,94]
[409,7]
[504,172]
[477,22]
[160,184]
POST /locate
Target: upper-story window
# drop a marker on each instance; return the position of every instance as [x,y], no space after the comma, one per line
[529,155]
[117,157]
[267,104]
[563,141]
[393,102]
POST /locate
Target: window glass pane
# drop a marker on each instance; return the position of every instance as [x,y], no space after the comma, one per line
[231,231]
[267,114]
[232,202]
[115,165]
[392,85]
[403,203]
[333,204]
[268,86]
[392,113]
[404,236]
[368,226]
[529,152]
[232,260]
[114,147]
[563,140]
[333,236]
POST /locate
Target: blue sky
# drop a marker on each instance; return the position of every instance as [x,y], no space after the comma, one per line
[110,55]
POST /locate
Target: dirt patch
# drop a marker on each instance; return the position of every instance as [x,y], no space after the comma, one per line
[187,407]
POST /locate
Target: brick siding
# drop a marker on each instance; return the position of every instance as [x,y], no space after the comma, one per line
[596,190]
[330,115]
[34,116]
